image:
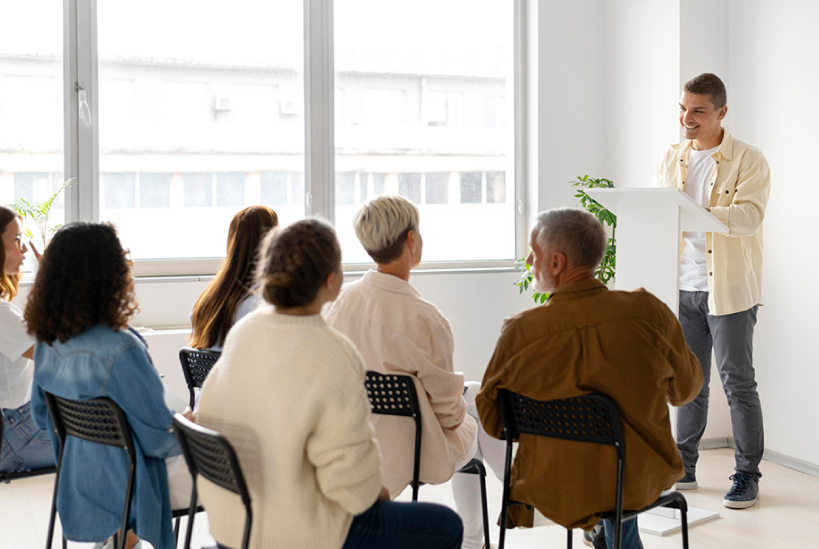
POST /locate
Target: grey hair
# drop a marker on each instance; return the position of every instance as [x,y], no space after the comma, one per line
[382,226]
[576,233]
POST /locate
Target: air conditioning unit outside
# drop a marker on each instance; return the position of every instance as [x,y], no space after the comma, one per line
[221,103]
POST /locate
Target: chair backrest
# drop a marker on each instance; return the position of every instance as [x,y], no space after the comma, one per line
[588,418]
[97,420]
[395,395]
[196,365]
[209,454]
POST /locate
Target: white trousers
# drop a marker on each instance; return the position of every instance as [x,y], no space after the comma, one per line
[466,489]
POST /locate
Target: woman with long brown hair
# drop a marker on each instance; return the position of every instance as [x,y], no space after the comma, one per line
[24,446]
[229,295]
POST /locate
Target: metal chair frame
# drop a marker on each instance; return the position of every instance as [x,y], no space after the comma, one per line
[7,477]
[97,420]
[395,395]
[196,365]
[590,418]
[208,453]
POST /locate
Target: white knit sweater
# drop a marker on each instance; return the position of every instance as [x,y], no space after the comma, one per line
[288,393]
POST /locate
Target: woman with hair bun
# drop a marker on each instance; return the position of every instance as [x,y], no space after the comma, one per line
[24,446]
[79,307]
[288,393]
[229,296]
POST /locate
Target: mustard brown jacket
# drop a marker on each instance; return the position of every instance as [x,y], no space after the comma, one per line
[586,339]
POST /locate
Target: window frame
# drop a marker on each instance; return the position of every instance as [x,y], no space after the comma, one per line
[82,140]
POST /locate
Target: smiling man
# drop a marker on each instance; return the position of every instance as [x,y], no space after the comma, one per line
[720,276]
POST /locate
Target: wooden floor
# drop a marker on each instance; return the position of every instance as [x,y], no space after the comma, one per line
[784,517]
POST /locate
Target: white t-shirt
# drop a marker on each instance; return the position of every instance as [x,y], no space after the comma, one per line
[693,276]
[16,371]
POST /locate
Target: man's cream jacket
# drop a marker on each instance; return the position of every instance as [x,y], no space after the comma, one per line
[740,183]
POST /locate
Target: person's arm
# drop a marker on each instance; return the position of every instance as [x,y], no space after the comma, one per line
[432,365]
[493,380]
[137,388]
[687,380]
[747,210]
[342,446]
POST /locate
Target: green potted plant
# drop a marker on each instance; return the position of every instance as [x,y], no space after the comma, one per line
[605,272]
[39,212]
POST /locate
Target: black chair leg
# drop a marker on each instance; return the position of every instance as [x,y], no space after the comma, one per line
[568,538]
[484,505]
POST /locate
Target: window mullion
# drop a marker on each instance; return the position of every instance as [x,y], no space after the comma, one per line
[319,178]
[81,134]
[518,95]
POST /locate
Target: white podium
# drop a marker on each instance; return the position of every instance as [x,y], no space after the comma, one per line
[649,226]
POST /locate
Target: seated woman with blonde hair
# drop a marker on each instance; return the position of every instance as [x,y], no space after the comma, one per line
[230,296]
[399,332]
[288,394]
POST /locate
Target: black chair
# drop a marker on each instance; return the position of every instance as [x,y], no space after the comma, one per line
[196,365]
[97,420]
[395,395]
[590,418]
[209,454]
[7,477]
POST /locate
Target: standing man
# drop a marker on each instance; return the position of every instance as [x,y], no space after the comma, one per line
[720,276]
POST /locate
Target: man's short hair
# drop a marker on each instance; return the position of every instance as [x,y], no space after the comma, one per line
[576,233]
[708,84]
[382,226]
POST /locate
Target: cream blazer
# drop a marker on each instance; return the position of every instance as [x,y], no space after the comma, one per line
[398,332]
[740,184]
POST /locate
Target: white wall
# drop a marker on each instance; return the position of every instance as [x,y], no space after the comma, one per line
[567,120]
[774,56]
[642,87]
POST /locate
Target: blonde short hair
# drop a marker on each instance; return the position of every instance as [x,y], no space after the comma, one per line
[382,226]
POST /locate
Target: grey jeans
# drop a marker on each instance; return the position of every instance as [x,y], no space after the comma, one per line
[731,337]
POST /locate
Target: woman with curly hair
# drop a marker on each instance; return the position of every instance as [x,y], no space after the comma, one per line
[288,393]
[78,310]
[24,446]
[229,295]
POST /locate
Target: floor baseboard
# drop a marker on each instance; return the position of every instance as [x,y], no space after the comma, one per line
[792,463]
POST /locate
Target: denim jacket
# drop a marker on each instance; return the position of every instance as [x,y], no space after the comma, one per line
[102,362]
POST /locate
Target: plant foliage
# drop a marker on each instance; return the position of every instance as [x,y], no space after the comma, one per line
[39,212]
[605,272]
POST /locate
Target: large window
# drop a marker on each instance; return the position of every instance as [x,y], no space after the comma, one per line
[31,104]
[197,108]
[178,113]
[423,112]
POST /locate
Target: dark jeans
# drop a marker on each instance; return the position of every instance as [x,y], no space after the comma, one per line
[731,337]
[25,446]
[631,535]
[404,525]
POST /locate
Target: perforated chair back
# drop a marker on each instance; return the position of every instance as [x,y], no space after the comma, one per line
[97,420]
[208,453]
[196,365]
[395,395]
[590,418]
